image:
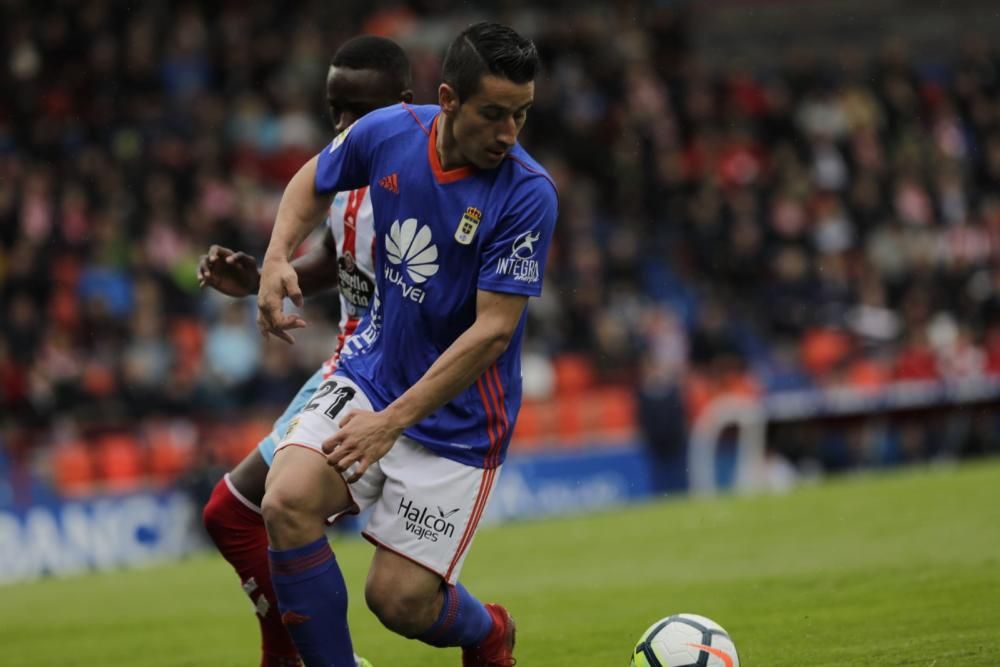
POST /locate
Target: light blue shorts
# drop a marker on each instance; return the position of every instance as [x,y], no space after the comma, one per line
[270,443]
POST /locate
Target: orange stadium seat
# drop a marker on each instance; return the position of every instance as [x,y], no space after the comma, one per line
[530,427]
[188,337]
[570,425]
[618,410]
[120,462]
[251,432]
[222,441]
[822,349]
[867,374]
[574,374]
[73,469]
[168,458]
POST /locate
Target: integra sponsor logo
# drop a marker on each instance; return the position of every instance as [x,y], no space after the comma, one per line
[522,270]
[521,265]
[426,525]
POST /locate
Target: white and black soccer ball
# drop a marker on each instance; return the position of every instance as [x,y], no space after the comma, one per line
[685,640]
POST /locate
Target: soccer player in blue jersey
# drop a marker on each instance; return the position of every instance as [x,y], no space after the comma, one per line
[416,422]
[366,73]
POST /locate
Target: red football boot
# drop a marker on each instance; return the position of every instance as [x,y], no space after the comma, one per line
[497,650]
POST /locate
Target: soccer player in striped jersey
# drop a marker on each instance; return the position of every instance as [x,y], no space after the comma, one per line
[366,73]
[416,421]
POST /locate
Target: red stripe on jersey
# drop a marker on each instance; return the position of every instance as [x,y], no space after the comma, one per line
[501,402]
[416,118]
[535,171]
[500,419]
[331,364]
[490,417]
[354,201]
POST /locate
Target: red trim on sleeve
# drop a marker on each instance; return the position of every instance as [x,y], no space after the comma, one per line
[416,117]
[534,171]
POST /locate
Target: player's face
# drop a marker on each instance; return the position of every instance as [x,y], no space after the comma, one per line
[351,93]
[486,125]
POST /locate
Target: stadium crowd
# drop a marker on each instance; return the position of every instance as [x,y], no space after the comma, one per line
[821,222]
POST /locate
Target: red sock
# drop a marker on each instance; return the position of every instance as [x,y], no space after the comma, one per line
[238,532]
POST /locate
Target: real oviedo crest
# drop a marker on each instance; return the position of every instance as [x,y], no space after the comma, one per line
[468,225]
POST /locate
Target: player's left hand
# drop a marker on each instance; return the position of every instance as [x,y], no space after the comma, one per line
[364,437]
[278,280]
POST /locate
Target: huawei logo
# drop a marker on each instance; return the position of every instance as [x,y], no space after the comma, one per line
[412,248]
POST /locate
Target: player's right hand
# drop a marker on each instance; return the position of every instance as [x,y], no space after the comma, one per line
[231,272]
[278,280]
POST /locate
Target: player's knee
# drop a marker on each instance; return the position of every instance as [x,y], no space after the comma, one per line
[289,518]
[404,612]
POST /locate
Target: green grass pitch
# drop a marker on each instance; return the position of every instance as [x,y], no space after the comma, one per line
[900,568]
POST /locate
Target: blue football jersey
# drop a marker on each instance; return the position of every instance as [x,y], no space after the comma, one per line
[440,236]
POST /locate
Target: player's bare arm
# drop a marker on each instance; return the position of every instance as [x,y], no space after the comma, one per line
[301,209]
[365,437]
[235,273]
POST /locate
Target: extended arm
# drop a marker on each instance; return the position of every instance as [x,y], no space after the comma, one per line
[301,209]
[235,273]
[497,316]
[365,437]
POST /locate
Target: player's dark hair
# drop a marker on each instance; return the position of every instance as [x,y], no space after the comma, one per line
[488,48]
[377,53]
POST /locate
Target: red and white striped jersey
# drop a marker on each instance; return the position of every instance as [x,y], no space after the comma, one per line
[352,223]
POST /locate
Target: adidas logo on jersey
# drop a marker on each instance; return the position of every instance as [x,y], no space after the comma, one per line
[390,183]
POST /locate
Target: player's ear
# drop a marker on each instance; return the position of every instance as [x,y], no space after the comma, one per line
[447,99]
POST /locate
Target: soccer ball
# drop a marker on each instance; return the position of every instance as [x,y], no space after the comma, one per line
[685,640]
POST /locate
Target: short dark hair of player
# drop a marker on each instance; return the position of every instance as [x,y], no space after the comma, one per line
[376,53]
[488,48]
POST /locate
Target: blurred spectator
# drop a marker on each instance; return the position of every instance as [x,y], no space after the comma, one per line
[808,224]
[662,419]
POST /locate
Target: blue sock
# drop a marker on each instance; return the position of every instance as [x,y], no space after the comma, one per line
[312,599]
[463,620]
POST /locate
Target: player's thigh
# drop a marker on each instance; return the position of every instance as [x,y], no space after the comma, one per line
[318,421]
[301,481]
[248,477]
[429,508]
[395,577]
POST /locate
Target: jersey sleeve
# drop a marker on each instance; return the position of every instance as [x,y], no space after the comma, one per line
[343,164]
[513,259]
